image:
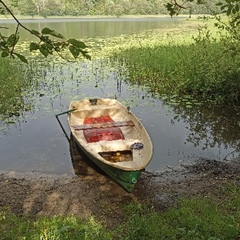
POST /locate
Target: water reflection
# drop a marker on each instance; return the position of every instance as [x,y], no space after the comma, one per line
[79,28]
[210,126]
[179,134]
[15,81]
[82,165]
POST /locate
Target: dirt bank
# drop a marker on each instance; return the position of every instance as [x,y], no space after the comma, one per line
[94,193]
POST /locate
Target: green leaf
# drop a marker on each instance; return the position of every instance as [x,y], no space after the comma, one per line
[35,32]
[33,46]
[171,9]
[46,30]
[52,32]
[12,40]
[75,51]
[3,45]
[5,54]
[229,11]
[76,43]
[49,46]
[87,56]
[45,51]
[21,57]
[237,8]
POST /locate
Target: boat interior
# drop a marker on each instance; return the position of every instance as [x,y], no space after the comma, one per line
[110,146]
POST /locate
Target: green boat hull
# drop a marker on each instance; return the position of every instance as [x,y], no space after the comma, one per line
[126,179]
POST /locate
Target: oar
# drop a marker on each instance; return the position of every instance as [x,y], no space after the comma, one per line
[62,113]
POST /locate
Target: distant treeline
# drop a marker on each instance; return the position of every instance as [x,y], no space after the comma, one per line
[100,7]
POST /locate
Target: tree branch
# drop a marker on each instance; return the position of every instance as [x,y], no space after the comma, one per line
[179,6]
[15,39]
[46,46]
[35,33]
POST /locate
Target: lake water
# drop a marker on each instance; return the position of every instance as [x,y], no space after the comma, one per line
[179,134]
[91,27]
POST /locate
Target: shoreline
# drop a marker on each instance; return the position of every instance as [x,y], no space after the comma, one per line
[8,18]
[33,195]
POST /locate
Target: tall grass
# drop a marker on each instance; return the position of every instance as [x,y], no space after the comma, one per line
[14,80]
[205,68]
[53,228]
[192,219]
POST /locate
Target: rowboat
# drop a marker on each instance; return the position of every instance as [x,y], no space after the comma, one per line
[112,137]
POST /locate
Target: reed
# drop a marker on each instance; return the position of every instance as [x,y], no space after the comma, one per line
[204,68]
[14,81]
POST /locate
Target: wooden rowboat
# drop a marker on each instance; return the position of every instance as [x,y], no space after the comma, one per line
[112,137]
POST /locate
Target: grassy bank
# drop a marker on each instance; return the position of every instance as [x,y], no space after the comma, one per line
[202,65]
[197,218]
[199,70]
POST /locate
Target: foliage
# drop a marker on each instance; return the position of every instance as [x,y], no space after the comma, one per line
[55,228]
[47,8]
[225,80]
[204,69]
[195,218]
[47,44]
[230,7]
[203,119]
[198,218]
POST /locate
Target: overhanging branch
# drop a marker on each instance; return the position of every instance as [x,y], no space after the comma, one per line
[179,6]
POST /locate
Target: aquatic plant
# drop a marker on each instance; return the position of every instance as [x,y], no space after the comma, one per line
[202,68]
[15,80]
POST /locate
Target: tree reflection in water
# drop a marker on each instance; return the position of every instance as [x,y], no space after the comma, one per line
[210,125]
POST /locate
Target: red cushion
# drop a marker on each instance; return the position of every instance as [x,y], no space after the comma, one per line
[101,134]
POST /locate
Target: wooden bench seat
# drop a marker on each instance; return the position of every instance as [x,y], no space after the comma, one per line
[103,125]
